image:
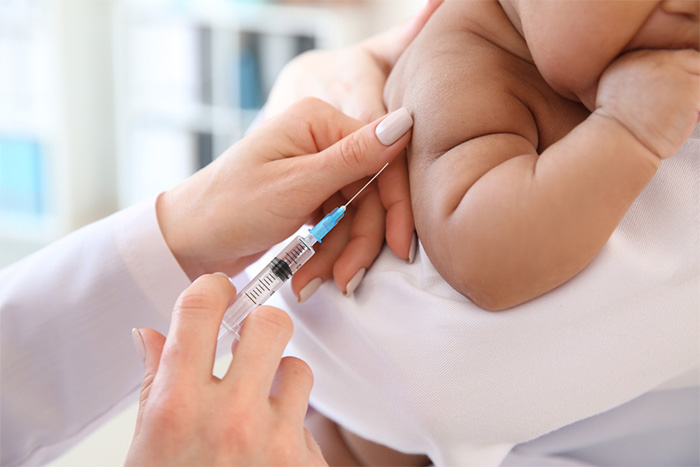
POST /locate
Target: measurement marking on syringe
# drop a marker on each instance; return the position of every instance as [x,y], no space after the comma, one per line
[266,282]
[295,253]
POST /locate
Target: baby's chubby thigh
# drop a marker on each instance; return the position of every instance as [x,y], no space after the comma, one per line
[340,446]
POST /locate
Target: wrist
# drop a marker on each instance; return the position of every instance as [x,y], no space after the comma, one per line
[174,231]
[625,133]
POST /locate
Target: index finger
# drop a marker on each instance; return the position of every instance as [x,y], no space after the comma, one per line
[191,343]
[264,336]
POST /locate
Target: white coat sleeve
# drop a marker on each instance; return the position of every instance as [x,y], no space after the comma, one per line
[66,314]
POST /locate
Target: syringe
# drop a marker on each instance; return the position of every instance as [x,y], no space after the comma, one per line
[281,268]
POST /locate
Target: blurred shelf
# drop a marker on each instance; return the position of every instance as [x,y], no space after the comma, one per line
[192,75]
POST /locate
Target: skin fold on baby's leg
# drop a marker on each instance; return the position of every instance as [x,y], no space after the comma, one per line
[341,447]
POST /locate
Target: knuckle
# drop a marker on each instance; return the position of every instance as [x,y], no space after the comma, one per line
[146,387]
[244,430]
[299,367]
[170,411]
[272,320]
[195,304]
[192,305]
[353,150]
[310,104]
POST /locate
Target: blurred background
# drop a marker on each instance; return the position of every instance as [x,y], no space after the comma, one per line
[106,102]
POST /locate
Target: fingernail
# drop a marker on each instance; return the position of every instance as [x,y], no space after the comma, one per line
[354,282]
[412,249]
[222,274]
[309,289]
[394,126]
[139,344]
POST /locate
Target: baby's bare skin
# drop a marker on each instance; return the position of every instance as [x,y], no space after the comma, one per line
[516,185]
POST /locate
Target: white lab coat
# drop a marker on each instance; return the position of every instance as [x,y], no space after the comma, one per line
[66,314]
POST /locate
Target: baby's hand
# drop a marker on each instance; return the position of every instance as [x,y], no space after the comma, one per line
[655,94]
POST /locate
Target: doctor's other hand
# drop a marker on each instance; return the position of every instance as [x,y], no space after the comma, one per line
[287,172]
[254,415]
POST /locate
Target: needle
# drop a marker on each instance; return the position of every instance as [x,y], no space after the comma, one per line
[366,185]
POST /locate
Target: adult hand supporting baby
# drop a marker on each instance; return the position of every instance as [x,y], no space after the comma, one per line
[254,415]
[352,79]
[265,187]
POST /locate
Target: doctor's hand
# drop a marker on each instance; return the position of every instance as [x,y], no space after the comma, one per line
[254,415]
[293,169]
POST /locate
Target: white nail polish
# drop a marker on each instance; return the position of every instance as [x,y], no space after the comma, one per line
[354,282]
[394,126]
[412,249]
[139,344]
[309,289]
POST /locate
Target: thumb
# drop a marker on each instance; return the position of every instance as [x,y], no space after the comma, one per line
[362,152]
[150,344]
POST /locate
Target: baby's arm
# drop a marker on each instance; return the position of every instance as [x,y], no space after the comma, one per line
[504,224]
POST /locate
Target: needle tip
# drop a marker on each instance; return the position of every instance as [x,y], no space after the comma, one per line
[366,185]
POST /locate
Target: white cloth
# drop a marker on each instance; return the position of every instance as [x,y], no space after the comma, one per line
[66,314]
[660,428]
[410,363]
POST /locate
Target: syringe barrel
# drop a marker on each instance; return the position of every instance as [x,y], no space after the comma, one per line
[268,281]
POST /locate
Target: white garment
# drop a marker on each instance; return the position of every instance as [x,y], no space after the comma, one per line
[66,313]
[410,363]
